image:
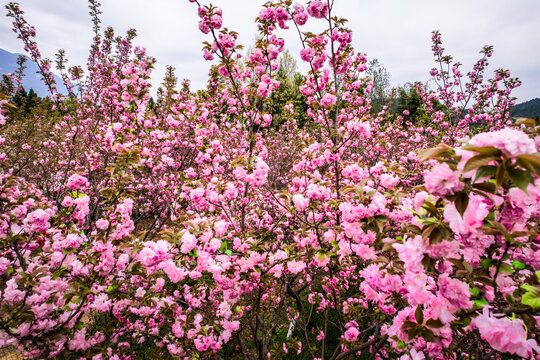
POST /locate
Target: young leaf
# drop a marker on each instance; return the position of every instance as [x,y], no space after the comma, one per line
[477,161]
[531,297]
[486,263]
[484,150]
[419,315]
[434,152]
[461,202]
[487,186]
[530,162]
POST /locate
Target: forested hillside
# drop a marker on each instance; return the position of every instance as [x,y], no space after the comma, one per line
[530,109]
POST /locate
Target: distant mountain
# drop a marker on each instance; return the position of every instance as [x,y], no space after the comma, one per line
[32,80]
[529,109]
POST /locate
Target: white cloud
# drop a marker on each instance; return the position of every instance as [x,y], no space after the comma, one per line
[396,32]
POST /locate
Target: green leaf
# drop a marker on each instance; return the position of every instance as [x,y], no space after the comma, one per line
[518,264]
[520,178]
[529,162]
[76,194]
[477,161]
[428,335]
[223,246]
[486,263]
[531,297]
[507,268]
[484,150]
[480,303]
[529,288]
[434,152]
[485,171]
[474,291]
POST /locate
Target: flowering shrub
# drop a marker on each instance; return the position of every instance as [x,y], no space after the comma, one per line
[195,226]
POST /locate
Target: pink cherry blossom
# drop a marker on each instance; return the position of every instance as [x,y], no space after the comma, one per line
[511,141]
[472,218]
[505,335]
[300,202]
[77,182]
[351,334]
[441,180]
[307,54]
[37,221]
[328,100]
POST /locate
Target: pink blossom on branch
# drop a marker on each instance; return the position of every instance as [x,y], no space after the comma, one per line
[506,335]
[441,180]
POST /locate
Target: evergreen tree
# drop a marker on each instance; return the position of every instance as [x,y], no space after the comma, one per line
[288,92]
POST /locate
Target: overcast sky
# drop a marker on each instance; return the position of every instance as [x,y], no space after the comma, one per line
[397,32]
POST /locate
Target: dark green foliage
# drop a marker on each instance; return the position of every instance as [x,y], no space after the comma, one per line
[168,88]
[31,100]
[151,104]
[26,103]
[288,92]
[19,99]
[408,99]
[6,85]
